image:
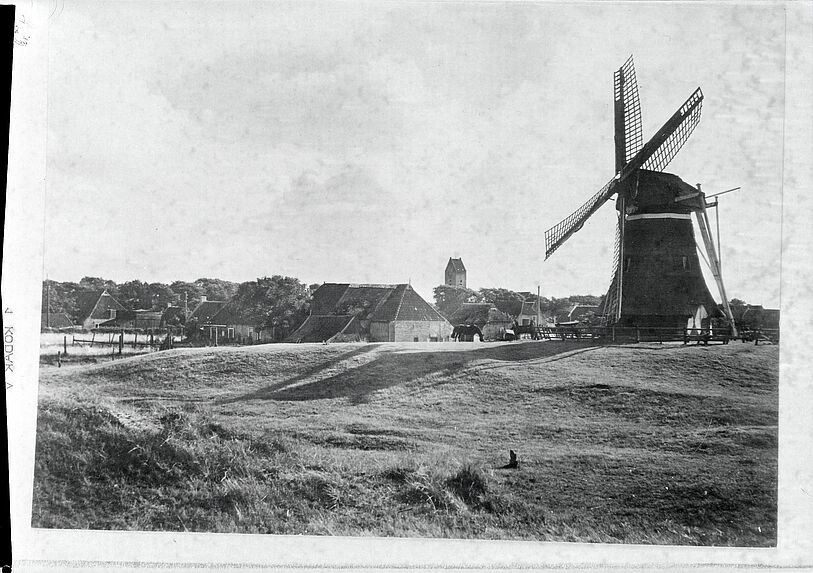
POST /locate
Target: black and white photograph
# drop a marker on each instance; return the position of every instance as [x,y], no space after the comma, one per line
[434,271]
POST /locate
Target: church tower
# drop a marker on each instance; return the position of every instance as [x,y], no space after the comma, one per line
[455,273]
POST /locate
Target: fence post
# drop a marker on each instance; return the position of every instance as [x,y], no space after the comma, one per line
[637,335]
[121,342]
[92,339]
[65,344]
[59,359]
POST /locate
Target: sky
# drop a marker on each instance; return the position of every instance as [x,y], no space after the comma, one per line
[369,142]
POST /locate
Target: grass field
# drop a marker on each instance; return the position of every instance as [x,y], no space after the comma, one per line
[634,444]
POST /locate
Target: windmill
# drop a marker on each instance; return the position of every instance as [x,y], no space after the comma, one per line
[656,278]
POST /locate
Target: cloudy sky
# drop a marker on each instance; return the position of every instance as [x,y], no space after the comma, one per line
[369,142]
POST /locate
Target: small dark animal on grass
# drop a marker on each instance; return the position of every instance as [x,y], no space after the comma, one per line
[512,463]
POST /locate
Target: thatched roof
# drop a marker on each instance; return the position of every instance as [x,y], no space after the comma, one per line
[96,305]
[325,328]
[205,310]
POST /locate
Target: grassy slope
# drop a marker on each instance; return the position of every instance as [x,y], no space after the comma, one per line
[641,444]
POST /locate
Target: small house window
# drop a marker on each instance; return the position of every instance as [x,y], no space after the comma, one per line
[684,261]
[415,339]
[627,263]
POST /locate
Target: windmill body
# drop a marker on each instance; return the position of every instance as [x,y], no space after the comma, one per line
[657,280]
[662,283]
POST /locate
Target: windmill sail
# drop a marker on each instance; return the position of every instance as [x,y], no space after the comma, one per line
[559,233]
[629,133]
[664,145]
[612,299]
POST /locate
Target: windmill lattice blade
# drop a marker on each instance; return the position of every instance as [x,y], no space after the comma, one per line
[559,233]
[662,148]
[611,298]
[625,89]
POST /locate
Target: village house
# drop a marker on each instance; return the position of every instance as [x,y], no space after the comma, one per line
[373,313]
[96,307]
[231,325]
[491,321]
[202,316]
[528,314]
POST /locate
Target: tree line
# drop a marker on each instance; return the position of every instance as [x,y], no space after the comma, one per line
[264,302]
[449,299]
[280,300]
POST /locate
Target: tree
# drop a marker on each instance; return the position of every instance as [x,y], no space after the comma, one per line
[134,295]
[97,283]
[275,301]
[59,297]
[161,296]
[191,291]
[216,289]
[505,300]
[449,299]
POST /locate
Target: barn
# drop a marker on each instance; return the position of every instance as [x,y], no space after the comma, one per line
[96,307]
[373,313]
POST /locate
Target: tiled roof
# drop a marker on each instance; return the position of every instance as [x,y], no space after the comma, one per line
[324,328]
[206,310]
[457,265]
[406,304]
